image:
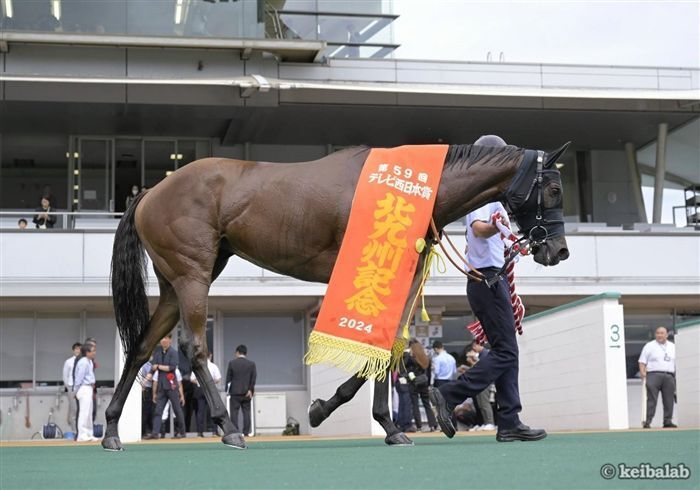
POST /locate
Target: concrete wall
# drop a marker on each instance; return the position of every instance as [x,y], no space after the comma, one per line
[688,373]
[594,265]
[572,366]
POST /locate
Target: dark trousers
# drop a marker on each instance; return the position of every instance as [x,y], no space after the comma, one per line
[241,402]
[161,399]
[423,395]
[404,421]
[147,411]
[437,383]
[201,407]
[190,401]
[493,309]
[666,384]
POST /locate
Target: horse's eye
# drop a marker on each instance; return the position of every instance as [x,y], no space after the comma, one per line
[556,191]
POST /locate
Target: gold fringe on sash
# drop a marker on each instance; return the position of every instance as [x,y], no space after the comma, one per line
[367,361]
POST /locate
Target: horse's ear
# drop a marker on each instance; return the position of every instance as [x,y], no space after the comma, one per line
[552,157]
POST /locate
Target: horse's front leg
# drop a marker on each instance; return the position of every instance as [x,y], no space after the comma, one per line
[380,412]
[320,410]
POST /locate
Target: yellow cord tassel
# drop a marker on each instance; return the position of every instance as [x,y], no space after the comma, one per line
[400,343]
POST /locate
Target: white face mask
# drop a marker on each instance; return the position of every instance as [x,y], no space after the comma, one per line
[134,191]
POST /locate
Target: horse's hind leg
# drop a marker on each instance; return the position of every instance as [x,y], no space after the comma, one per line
[320,410]
[163,320]
[193,306]
[380,412]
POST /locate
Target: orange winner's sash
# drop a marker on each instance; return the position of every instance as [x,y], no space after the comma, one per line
[369,286]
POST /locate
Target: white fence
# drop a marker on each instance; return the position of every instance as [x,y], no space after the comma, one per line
[688,373]
[572,366]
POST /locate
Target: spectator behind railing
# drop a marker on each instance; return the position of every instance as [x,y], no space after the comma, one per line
[22,224]
[43,219]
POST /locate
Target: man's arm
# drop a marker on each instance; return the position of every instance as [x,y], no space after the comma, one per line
[642,370]
[253,377]
[169,362]
[484,230]
[67,368]
[229,375]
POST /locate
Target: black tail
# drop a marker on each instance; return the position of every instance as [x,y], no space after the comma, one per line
[129,281]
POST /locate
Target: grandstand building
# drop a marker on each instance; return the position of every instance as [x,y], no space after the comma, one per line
[96,97]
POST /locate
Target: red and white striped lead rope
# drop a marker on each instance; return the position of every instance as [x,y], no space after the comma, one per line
[518,308]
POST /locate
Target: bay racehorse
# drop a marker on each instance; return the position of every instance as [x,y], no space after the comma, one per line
[290,219]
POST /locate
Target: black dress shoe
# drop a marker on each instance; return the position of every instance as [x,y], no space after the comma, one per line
[151,436]
[179,435]
[200,434]
[442,412]
[670,426]
[520,433]
[646,425]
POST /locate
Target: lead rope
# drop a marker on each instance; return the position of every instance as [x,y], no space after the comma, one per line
[510,241]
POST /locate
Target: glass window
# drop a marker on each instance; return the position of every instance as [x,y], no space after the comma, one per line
[16,350]
[31,166]
[159,160]
[275,343]
[190,150]
[103,329]
[55,335]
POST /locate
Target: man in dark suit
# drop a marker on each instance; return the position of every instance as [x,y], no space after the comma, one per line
[240,379]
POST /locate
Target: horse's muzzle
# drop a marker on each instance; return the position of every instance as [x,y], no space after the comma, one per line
[553,251]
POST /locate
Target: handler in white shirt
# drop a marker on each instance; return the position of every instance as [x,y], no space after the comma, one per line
[657,367]
[68,383]
[83,380]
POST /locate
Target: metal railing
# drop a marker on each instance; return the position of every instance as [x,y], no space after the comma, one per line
[69,220]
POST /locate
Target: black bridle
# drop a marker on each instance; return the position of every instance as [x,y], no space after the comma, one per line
[547,223]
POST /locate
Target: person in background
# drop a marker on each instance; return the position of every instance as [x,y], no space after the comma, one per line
[168,411]
[68,384]
[419,382]
[444,365]
[146,378]
[240,379]
[83,381]
[43,219]
[657,367]
[201,401]
[132,196]
[22,224]
[166,387]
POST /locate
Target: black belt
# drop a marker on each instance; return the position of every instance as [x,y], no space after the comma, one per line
[488,272]
[662,372]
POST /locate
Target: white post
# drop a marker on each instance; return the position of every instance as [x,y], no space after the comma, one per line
[130,421]
[635,181]
[660,175]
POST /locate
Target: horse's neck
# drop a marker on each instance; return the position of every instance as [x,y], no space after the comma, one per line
[462,191]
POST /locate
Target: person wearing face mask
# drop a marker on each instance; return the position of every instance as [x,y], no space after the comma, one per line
[130,198]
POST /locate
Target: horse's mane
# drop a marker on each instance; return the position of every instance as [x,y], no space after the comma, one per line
[464,156]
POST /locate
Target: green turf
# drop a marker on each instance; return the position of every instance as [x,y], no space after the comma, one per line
[560,461]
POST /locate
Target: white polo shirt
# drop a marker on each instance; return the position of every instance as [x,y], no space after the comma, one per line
[485,252]
[659,357]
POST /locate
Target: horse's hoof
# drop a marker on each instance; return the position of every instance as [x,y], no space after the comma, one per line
[398,439]
[112,444]
[234,440]
[316,413]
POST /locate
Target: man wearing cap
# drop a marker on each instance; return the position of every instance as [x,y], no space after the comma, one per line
[492,306]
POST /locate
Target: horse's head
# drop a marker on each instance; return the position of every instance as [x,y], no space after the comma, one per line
[536,201]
